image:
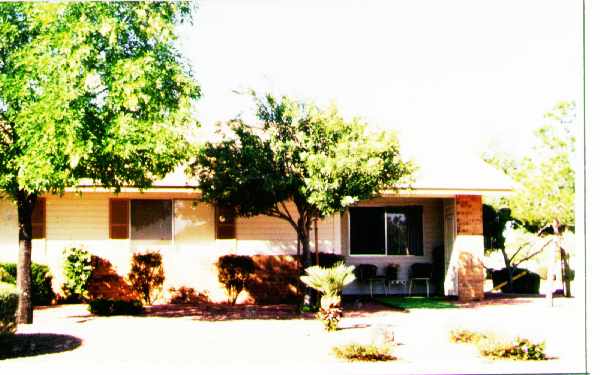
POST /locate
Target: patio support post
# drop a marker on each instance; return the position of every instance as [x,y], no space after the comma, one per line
[469,247]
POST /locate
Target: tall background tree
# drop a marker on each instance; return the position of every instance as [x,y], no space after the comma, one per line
[298,156]
[544,200]
[88,90]
[545,177]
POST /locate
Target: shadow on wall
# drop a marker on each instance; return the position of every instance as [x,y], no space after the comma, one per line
[32,344]
[105,282]
[275,280]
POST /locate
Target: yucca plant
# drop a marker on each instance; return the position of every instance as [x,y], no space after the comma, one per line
[330,282]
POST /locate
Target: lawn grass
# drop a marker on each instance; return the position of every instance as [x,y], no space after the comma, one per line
[416,302]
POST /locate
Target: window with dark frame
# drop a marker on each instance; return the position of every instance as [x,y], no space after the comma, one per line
[386,230]
[38,219]
[151,219]
[141,219]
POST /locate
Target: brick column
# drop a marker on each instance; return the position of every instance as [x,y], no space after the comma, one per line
[469,247]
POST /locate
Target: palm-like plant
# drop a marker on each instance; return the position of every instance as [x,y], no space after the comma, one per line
[330,282]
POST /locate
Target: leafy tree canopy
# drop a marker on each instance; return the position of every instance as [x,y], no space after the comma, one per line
[91,90]
[297,153]
[545,177]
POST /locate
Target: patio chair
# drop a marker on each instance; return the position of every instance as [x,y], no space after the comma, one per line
[391,272]
[420,272]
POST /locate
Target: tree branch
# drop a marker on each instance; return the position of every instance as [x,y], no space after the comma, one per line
[533,254]
[286,210]
[517,252]
[280,215]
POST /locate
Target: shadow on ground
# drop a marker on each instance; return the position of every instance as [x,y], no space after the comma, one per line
[221,312]
[32,344]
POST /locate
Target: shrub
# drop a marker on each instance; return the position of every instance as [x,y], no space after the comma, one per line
[6,277]
[528,284]
[465,336]
[330,282]
[234,272]
[543,272]
[275,280]
[41,282]
[108,307]
[77,268]
[9,300]
[187,296]
[517,348]
[362,352]
[106,283]
[147,275]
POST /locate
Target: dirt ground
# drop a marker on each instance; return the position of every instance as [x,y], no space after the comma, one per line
[275,339]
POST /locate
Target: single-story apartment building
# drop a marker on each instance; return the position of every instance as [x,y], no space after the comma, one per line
[441,210]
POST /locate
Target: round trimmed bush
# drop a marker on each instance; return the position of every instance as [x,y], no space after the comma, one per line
[41,282]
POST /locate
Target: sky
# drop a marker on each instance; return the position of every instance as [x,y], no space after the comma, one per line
[448,76]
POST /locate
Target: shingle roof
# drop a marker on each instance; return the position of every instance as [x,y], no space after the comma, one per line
[453,173]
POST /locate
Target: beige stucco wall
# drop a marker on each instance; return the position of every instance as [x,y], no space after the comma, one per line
[82,220]
[273,236]
[432,237]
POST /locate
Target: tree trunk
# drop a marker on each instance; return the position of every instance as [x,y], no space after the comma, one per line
[566,272]
[552,261]
[304,240]
[509,269]
[25,203]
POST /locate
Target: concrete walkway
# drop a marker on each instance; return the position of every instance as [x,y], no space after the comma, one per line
[190,343]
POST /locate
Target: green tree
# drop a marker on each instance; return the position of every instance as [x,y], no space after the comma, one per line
[298,155]
[544,198]
[545,178]
[519,247]
[88,90]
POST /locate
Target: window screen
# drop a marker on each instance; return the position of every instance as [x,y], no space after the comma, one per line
[151,219]
[397,233]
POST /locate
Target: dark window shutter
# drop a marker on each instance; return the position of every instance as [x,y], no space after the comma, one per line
[119,218]
[367,230]
[224,223]
[415,229]
[38,219]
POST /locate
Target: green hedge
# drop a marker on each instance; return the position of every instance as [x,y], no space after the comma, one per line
[9,299]
[41,282]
